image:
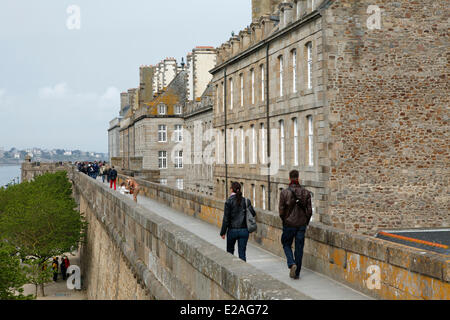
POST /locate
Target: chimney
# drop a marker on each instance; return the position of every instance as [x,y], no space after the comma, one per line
[263,7]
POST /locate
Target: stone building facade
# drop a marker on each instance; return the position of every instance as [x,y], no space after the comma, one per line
[353,94]
[200,141]
[154,117]
[350,93]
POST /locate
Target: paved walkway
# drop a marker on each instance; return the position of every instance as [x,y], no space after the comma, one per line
[58,290]
[312,284]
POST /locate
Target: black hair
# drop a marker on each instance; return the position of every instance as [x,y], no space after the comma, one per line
[236,187]
[293,175]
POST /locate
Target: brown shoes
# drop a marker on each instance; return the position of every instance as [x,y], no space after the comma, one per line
[292,272]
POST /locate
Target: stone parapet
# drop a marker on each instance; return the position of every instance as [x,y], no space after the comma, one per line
[405,272]
[171,262]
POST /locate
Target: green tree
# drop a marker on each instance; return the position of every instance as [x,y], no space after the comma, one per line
[12,274]
[40,219]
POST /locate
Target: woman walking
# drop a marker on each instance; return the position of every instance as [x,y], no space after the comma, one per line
[234,223]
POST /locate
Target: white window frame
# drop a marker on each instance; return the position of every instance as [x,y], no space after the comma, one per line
[162,109]
[231,94]
[254,194]
[310,141]
[162,159]
[223,97]
[179,159]
[295,129]
[281,67]
[231,132]
[163,182]
[180,184]
[282,143]
[178,133]
[253,85]
[263,142]
[263,85]
[178,109]
[254,145]
[263,198]
[162,133]
[222,149]
[241,76]
[309,64]
[242,146]
[294,71]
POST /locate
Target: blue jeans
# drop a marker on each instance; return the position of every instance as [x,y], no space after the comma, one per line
[288,236]
[241,236]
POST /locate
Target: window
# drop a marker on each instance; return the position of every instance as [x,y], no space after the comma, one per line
[178,109]
[162,159]
[295,127]
[178,133]
[253,195]
[163,182]
[263,197]
[242,89]
[231,94]
[253,85]
[179,159]
[162,133]
[217,97]
[294,71]
[263,142]
[282,156]
[280,61]
[253,144]
[242,145]
[310,141]
[309,65]
[243,189]
[222,148]
[262,83]
[180,183]
[231,144]
[162,109]
[298,9]
[223,96]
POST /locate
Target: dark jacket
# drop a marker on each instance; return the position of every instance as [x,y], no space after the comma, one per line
[234,216]
[291,214]
[112,174]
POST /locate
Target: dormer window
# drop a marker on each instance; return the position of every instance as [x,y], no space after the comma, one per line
[178,109]
[162,109]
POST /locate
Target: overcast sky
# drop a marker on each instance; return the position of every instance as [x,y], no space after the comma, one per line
[60,87]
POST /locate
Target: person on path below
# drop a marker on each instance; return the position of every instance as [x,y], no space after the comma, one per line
[295,211]
[234,223]
[63,268]
[55,266]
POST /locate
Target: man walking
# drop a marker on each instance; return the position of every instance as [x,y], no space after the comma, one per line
[295,212]
[112,178]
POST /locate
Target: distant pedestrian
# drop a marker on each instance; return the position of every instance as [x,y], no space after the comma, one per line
[112,178]
[133,186]
[295,211]
[55,267]
[102,173]
[234,223]
[63,268]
